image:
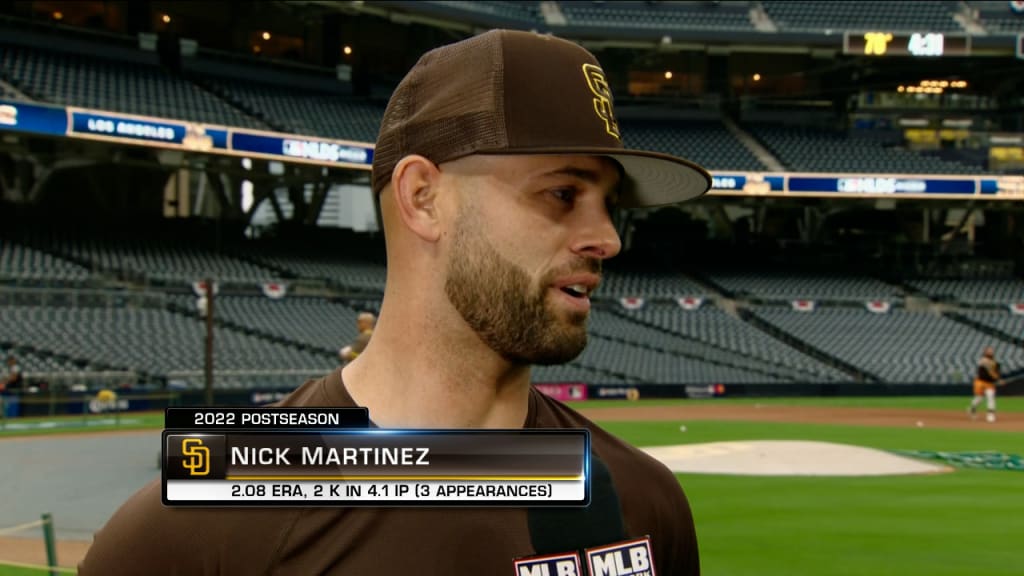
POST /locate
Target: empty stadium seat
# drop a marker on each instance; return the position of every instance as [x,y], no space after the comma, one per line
[303,111]
[805,286]
[861,15]
[900,347]
[806,149]
[70,79]
[152,340]
[661,16]
[706,142]
[24,263]
[997,18]
[972,290]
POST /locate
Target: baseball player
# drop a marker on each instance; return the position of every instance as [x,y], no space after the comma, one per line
[364,324]
[985,382]
[497,165]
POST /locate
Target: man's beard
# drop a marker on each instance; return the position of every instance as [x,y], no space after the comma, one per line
[495,298]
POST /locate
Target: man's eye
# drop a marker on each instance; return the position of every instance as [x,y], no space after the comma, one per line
[566,195]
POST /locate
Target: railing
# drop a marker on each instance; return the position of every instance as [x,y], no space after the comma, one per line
[243,379]
[82,380]
[78,297]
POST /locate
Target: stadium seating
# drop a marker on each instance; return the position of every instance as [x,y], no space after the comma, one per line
[710,330]
[527,13]
[338,270]
[688,348]
[666,16]
[153,340]
[805,149]
[8,94]
[974,291]
[647,284]
[926,15]
[1002,320]
[997,17]
[302,111]
[806,286]
[157,260]
[576,372]
[70,79]
[658,367]
[313,321]
[24,263]
[706,142]
[32,363]
[901,346]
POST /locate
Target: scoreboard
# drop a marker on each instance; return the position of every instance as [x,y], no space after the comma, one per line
[333,457]
[922,44]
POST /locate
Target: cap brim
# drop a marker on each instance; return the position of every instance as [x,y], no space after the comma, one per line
[653,179]
[650,178]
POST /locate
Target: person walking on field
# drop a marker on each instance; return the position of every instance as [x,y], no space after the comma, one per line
[985,382]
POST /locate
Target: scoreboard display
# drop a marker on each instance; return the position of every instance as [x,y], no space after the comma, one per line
[921,44]
[333,457]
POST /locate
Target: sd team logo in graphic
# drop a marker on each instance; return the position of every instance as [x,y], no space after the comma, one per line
[195,456]
[567,564]
[630,558]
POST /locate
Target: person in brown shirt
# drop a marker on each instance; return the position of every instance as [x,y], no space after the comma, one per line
[985,382]
[364,325]
[497,165]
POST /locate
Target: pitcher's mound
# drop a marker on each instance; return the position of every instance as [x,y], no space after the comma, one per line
[788,458]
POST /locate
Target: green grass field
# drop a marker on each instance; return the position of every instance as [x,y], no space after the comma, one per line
[964,523]
[956,524]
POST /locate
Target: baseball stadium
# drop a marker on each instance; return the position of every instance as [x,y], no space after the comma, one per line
[826,348]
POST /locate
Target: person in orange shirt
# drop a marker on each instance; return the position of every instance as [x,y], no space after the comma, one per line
[985,382]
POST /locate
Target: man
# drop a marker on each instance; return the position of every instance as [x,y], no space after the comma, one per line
[497,163]
[364,326]
[985,382]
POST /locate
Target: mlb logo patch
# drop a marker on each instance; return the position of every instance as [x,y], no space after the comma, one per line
[567,564]
[630,558]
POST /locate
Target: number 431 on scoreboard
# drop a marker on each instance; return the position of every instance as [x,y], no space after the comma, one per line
[925,44]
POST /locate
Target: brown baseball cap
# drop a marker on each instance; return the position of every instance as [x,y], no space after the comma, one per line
[513,92]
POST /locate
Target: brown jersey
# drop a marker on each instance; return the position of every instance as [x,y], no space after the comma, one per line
[144,537]
[988,369]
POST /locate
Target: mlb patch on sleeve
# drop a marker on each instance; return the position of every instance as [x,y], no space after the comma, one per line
[629,558]
[567,564]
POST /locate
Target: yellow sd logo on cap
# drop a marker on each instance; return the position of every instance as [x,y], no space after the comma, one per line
[598,84]
[197,457]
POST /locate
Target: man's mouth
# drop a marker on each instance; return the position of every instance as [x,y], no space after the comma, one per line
[577,290]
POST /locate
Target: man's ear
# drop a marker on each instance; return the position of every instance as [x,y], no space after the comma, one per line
[415,186]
